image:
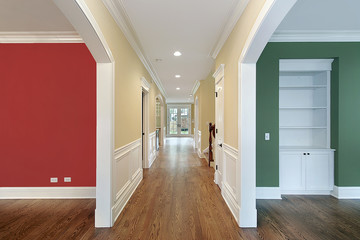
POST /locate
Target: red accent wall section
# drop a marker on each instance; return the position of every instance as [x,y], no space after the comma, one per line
[47,115]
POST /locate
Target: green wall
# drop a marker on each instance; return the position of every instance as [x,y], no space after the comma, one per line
[345,108]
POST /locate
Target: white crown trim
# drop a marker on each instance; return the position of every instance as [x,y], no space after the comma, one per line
[118,12]
[195,87]
[229,26]
[41,37]
[315,36]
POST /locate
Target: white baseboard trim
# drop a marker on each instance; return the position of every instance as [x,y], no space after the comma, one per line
[268,193]
[47,192]
[200,154]
[152,148]
[306,192]
[123,196]
[346,192]
[230,200]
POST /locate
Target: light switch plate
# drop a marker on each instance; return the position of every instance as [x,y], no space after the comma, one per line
[67,179]
[54,180]
[267,136]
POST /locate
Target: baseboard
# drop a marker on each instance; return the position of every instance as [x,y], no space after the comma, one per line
[124,195]
[47,192]
[346,192]
[200,154]
[268,193]
[306,192]
[230,200]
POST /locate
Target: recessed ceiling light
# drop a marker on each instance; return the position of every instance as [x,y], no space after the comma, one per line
[177,88]
[177,54]
[177,76]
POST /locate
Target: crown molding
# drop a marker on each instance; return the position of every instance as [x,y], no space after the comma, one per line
[195,87]
[41,37]
[118,12]
[229,26]
[315,36]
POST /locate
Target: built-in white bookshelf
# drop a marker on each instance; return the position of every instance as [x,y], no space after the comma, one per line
[304,103]
[306,160]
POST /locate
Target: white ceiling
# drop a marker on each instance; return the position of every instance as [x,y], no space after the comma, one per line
[191,27]
[331,15]
[31,16]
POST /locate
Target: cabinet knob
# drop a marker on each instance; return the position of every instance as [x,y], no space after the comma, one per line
[308,153]
[304,153]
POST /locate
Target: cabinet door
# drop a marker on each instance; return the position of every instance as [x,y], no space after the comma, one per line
[319,171]
[292,175]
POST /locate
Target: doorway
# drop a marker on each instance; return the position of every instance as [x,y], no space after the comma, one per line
[179,120]
[219,125]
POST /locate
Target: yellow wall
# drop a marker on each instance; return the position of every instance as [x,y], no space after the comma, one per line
[128,71]
[206,103]
[229,55]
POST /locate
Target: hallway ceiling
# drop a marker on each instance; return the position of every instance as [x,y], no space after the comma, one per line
[191,27]
[32,16]
[323,15]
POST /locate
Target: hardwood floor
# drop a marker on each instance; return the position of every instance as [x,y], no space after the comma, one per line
[178,200]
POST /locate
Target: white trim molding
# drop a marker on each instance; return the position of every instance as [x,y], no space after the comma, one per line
[152,148]
[41,37]
[316,36]
[227,179]
[220,72]
[195,87]
[47,192]
[346,192]
[267,21]
[268,193]
[145,84]
[118,12]
[228,27]
[80,16]
[127,175]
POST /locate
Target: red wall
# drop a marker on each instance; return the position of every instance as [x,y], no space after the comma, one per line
[47,115]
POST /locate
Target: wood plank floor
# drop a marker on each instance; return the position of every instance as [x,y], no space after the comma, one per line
[178,200]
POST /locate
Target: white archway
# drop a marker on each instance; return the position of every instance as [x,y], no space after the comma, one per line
[162,118]
[79,15]
[271,15]
[196,133]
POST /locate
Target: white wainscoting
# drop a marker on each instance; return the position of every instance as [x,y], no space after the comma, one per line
[346,192]
[228,179]
[268,193]
[47,192]
[127,175]
[152,148]
[200,154]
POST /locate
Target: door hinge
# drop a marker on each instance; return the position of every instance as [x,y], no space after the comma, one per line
[216,95]
[216,166]
[216,131]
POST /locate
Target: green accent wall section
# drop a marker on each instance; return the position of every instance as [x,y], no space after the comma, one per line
[345,108]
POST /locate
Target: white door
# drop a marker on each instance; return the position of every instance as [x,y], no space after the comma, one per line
[219,137]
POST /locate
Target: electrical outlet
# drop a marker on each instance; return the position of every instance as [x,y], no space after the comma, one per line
[267,136]
[54,180]
[67,179]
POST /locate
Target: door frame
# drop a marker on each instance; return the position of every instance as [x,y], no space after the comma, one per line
[269,18]
[196,133]
[219,151]
[145,89]
[162,118]
[167,118]
[81,18]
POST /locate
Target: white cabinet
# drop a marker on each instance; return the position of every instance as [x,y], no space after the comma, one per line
[306,160]
[306,171]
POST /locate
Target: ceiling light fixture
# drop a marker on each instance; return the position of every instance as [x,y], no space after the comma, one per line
[177,76]
[191,95]
[177,54]
[177,88]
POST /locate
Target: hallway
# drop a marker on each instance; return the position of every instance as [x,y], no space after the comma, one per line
[178,199]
